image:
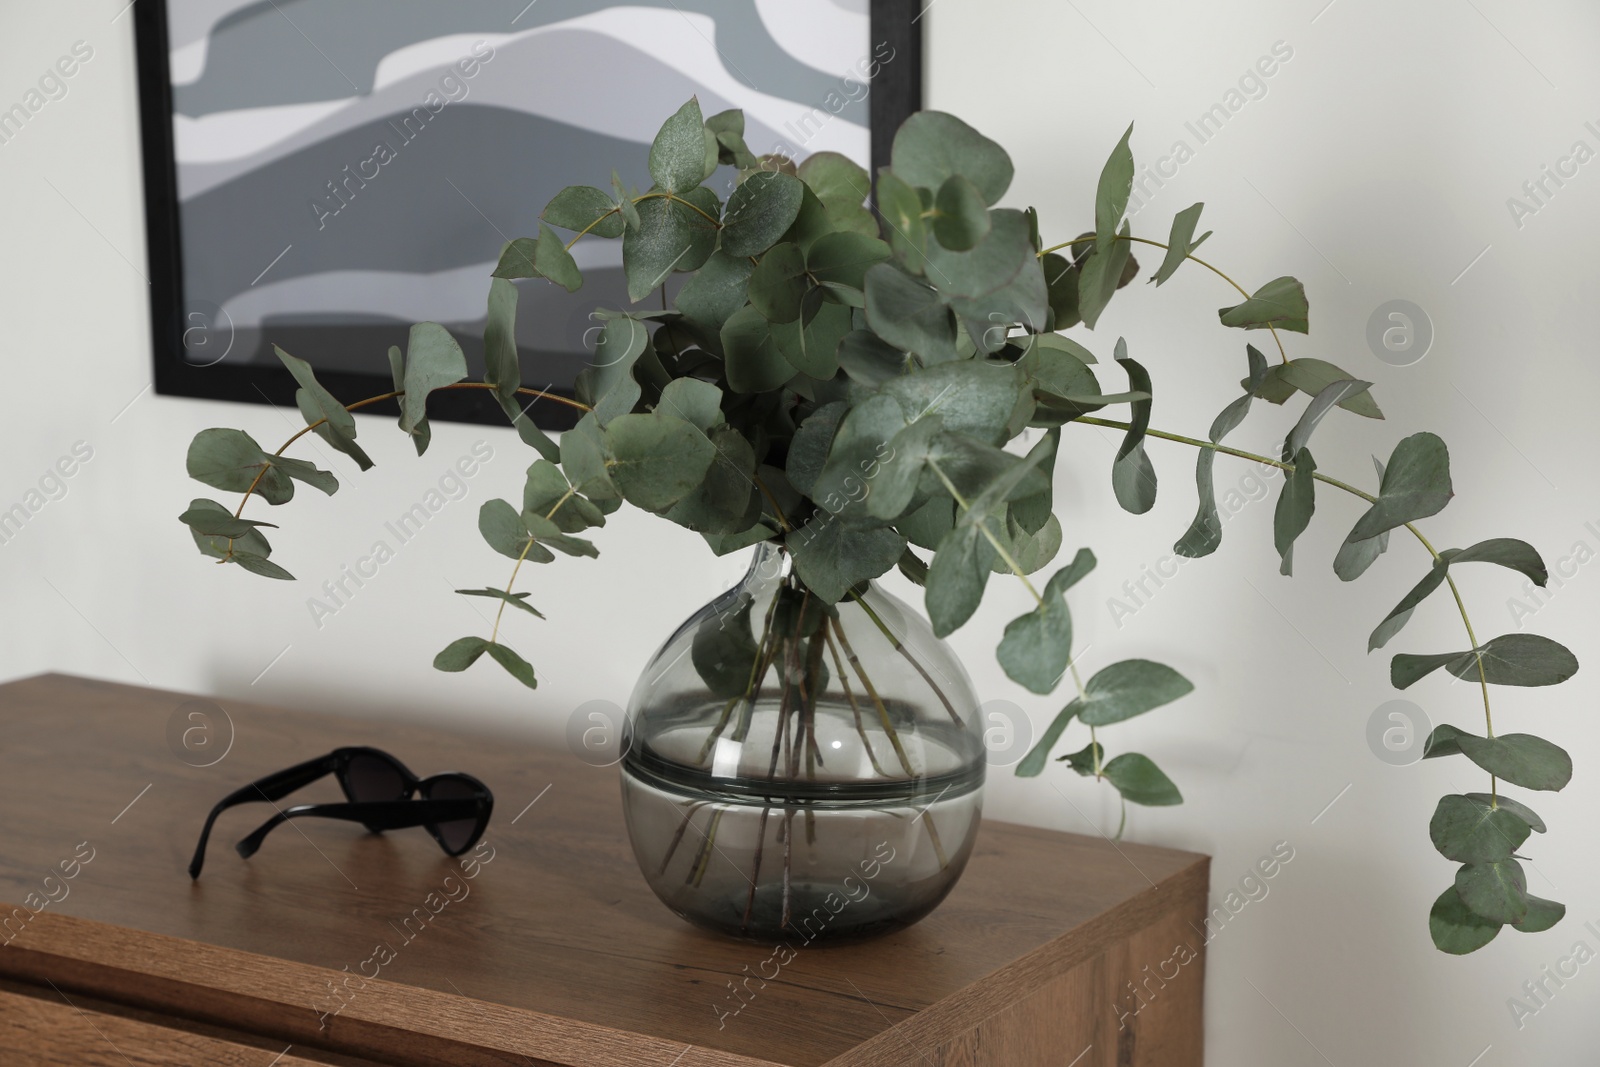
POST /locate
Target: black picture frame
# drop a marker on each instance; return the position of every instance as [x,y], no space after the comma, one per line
[896,92]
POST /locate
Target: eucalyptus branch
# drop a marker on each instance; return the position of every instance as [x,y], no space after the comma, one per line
[1461,606]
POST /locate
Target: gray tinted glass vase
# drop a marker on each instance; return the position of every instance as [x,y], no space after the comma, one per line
[798,771]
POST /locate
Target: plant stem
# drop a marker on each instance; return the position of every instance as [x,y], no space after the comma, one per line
[983,527]
[1283,356]
[1461,607]
[855,708]
[906,652]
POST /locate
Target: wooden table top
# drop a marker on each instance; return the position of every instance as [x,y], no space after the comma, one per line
[557,942]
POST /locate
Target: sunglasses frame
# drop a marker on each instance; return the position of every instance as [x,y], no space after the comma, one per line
[412,808]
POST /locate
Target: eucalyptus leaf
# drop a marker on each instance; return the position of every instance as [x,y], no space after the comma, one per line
[585,209]
[516,600]
[931,146]
[433,359]
[1204,534]
[1472,831]
[514,664]
[678,154]
[1521,759]
[1542,915]
[1497,890]
[961,217]
[844,257]
[1416,484]
[724,651]
[1455,928]
[754,360]
[656,460]
[1335,393]
[1280,304]
[1100,275]
[1037,646]
[908,314]
[1039,754]
[1182,243]
[759,212]
[1296,503]
[1133,476]
[1111,196]
[259,565]
[1140,781]
[1129,688]
[830,556]
[957,577]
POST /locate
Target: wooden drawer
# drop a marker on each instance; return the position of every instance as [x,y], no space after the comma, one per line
[41,1027]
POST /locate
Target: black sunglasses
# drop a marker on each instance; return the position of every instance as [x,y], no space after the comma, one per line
[383,795]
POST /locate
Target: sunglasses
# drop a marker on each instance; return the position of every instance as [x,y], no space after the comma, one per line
[382,792]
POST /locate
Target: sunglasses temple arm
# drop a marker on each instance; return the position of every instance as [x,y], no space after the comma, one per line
[378,815]
[272,787]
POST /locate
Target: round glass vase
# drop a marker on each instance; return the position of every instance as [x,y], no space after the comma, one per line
[798,771]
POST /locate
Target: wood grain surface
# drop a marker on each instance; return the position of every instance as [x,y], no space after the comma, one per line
[554,951]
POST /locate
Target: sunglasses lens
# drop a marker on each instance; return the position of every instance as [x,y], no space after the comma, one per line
[369,778]
[456,834]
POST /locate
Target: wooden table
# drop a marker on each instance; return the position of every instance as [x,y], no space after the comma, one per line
[555,952]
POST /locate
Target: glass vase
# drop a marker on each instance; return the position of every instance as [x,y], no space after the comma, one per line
[798,771]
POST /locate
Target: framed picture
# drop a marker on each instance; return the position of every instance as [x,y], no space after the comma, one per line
[320,174]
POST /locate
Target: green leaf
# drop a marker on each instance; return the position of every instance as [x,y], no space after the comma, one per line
[844,257]
[1099,276]
[727,127]
[778,283]
[608,382]
[460,654]
[338,426]
[1473,831]
[516,600]
[1061,287]
[514,664]
[670,237]
[585,209]
[996,284]
[1521,759]
[1395,621]
[909,315]
[583,460]
[727,501]
[1335,393]
[973,398]
[811,343]
[1037,646]
[1034,761]
[397,369]
[837,180]
[1497,890]
[856,455]
[1182,242]
[760,212]
[303,471]
[226,459]
[502,527]
[1515,807]
[1072,573]
[546,532]
[901,209]
[1311,376]
[1542,915]
[931,146]
[1133,476]
[809,448]
[957,577]
[754,360]
[830,555]
[1456,929]
[433,359]
[1416,484]
[678,155]
[713,293]
[1131,687]
[693,401]
[1087,760]
[895,484]
[724,651]
[259,565]
[1032,551]
[1506,552]
[1140,781]
[209,517]
[961,218]
[1280,304]
[518,259]
[1111,196]
[869,360]
[1510,659]
[503,370]
[555,262]
[656,459]
[1204,535]
[1354,557]
[1295,504]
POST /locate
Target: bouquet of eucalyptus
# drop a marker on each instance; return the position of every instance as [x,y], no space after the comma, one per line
[840,369]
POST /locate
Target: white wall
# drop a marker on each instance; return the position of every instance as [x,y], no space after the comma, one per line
[1377,166]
